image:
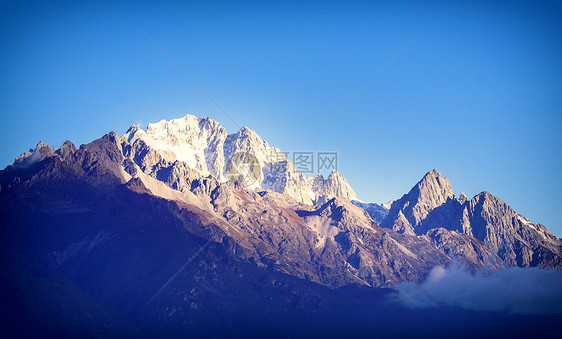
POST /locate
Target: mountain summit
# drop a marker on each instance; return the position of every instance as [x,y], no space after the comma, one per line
[407,213]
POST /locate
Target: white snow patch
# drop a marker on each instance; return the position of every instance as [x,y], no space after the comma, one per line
[529,224]
[526,222]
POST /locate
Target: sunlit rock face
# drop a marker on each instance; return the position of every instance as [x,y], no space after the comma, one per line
[191,147]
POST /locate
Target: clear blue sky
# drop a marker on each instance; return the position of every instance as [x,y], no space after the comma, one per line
[477,93]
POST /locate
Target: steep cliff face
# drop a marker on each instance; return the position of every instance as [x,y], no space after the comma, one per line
[516,240]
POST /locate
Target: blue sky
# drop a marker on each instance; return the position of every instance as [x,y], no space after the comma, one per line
[475,94]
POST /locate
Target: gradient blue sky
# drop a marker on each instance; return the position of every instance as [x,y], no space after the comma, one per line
[476,94]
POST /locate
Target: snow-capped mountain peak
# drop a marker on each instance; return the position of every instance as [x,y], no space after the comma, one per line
[206,147]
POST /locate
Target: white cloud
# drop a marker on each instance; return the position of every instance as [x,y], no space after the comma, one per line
[514,290]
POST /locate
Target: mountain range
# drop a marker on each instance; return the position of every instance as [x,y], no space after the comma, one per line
[181,222]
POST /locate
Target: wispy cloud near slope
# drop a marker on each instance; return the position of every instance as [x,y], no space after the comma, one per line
[514,290]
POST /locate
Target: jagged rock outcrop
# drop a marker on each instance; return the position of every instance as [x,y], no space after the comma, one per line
[481,231]
[335,185]
[407,214]
[41,151]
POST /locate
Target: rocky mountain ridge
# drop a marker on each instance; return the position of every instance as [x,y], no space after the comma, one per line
[335,243]
[317,231]
[120,234]
[496,233]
